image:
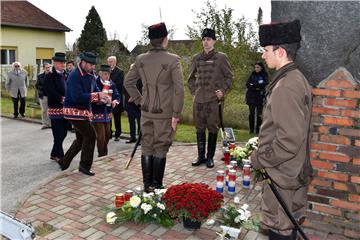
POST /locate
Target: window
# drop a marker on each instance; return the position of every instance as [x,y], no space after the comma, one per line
[43,55]
[8,56]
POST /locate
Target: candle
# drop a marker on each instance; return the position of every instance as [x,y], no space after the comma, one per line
[220,181]
[119,200]
[232,181]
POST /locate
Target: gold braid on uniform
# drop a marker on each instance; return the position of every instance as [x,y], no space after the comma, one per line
[145,106]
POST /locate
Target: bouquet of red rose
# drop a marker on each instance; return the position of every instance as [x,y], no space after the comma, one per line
[194,201]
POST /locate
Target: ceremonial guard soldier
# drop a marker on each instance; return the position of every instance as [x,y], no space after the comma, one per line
[285,133]
[209,80]
[161,103]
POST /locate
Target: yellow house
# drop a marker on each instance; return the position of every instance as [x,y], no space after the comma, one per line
[29,35]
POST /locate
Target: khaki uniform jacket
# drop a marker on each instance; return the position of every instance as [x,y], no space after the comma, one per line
[209,73]
[163,84]
[285,132]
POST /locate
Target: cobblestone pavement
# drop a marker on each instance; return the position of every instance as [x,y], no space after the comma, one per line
[73,203]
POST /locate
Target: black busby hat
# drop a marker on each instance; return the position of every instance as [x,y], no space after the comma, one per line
[157,31]
[59,57]
[280,33]
[104,68]
[208,32]
[88,57]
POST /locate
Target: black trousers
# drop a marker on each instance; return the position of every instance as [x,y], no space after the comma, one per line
[134,115]
[252,109]
[22,104]
[117,122]
[59,129]
[84,142]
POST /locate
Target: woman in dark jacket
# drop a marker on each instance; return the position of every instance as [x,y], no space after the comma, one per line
[255,95]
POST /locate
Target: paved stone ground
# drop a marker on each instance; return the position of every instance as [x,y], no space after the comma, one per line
[73,203]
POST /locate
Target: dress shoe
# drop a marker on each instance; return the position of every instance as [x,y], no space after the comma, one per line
[131,140]
[44,127]
[62,167]
[23,115]
[54,158]
[86,172]
[15,115]
[117,139]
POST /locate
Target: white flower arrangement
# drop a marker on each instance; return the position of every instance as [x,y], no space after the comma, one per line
[244,214]
[142,208]
[252,143]
[146,207]
[135,201]
[234,217]
[161,206]
[111,217]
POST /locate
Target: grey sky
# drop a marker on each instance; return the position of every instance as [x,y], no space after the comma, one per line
[124,18]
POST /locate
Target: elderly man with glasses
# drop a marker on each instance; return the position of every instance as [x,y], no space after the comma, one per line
[17,84]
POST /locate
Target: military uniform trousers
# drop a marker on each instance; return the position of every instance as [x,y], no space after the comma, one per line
[157,136]
[274,216]
[206,115]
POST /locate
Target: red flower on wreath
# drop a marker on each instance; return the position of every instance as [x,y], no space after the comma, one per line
[192,200]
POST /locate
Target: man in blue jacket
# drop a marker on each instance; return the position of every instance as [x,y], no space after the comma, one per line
[80,94]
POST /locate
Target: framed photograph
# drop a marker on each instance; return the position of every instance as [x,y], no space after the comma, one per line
[229,135]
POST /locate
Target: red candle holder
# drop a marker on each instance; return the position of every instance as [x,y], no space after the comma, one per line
[119,200]
[128,195]
[227,157]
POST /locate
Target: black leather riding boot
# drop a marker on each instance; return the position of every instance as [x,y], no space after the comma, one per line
[201,142]
[158,172]
[147,171]
[211,150]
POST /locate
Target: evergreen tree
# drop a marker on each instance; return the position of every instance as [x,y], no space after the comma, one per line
[93,35]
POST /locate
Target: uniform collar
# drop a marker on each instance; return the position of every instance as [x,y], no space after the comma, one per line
[209,55]
[157,49]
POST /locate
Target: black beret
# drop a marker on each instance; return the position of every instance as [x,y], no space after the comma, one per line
[88,57]
[104,68]
[279,33]
[59,57]
[157,31]
[208,32]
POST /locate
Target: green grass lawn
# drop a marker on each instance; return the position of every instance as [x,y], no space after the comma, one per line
[184,133]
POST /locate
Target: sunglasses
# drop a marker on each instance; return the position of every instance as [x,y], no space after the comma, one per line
[16,66]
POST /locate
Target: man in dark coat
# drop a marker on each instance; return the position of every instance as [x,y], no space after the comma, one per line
[161,103]
[285,134]
[209,79]
[54,86]
[43,99]
[117,76]
[133,112]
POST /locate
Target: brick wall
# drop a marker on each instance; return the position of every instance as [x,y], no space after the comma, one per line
[334,200]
